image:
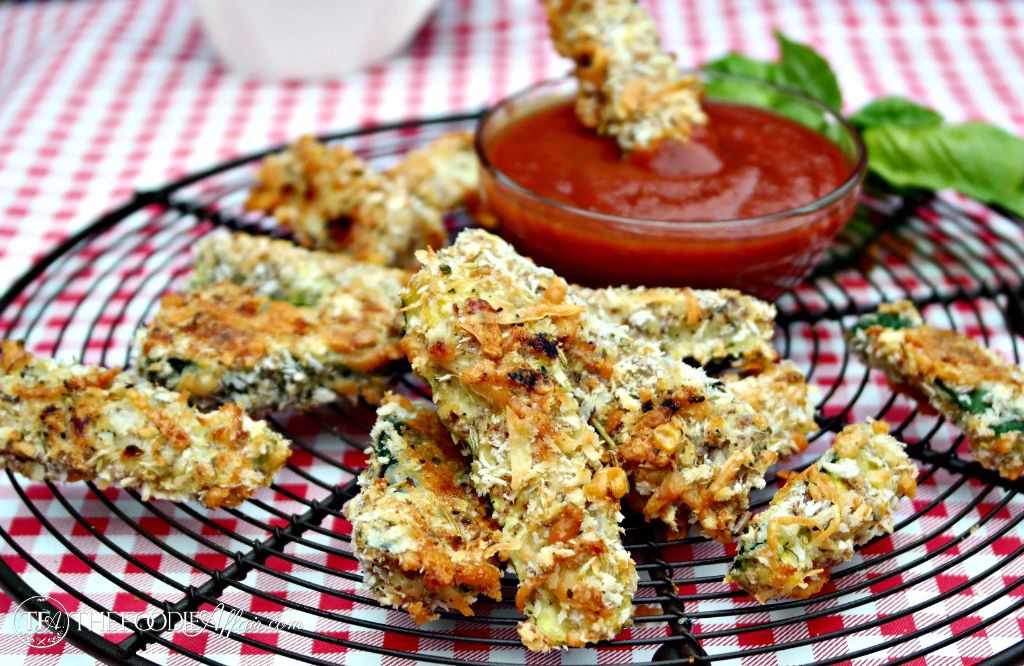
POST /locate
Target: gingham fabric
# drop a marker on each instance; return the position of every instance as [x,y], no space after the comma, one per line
[101,97]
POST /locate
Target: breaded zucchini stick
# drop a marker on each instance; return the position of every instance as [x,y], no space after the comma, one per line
[226,344]
[423,536]
[332,200]
[282,271]
[488,337]
[813,523]
[687,443]
[782,396]
[716,329]
[444,174]
[629,87]
[703,326]
[70,422]
[968,384]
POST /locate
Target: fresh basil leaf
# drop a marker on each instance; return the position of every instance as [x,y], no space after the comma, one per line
[1009,426]
[895,111]
[742,92]
[890,320]
[978,160]
[803,68]
[737,63]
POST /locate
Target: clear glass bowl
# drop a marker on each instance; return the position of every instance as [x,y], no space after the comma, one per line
[764,255]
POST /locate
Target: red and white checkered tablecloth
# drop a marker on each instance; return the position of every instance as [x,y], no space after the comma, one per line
[98,97]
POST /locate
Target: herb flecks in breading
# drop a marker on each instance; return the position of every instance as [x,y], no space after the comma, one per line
[967,383]
[813,523]
[70,422]
[424,538]
[473,332]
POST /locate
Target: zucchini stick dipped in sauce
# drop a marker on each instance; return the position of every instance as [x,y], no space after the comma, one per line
[490,343]
[629,87]
[970,385]
[425,539]
[71,422]
[813,523]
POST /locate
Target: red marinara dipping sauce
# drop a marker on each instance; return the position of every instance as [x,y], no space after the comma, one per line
[709,213]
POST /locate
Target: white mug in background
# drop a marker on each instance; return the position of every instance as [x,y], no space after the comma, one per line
[310,38]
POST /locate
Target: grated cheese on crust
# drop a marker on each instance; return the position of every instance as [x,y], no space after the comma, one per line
[967,383]
[424,538]
[226,344]
[687,443]
[444,173]
[70,422]
[705,326]
[780,394]
[813,523]
[629,87]
[282,271]
[332,200]
[488,337]
[717,329]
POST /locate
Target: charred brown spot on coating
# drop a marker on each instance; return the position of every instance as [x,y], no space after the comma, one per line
[340,229]
[544,344]
[527,377]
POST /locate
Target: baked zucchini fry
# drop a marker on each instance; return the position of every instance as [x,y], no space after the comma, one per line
[282,271]
[687,443]
[708,327]
[813,523]
[423,536]
[71,422]
[444,173]
[782,396]
[629,87]
[226,344]
[331,200]
[970,385]
[717,328]
[486,328]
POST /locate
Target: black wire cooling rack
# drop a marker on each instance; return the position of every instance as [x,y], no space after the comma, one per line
[944,583]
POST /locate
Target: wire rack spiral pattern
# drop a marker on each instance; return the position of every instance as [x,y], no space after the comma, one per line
[948,582]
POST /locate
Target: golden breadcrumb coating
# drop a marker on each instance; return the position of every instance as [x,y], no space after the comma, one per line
[70,422]
[283,271]
[445,173]
[813,523]
[424,538]
[489,339]
[332,200]
[689,446]
[968,384]
[780,394]
[705,326]
[225,344]
[629,87]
